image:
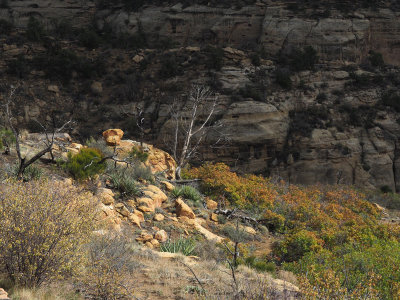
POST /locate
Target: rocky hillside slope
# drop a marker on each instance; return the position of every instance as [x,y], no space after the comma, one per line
[331,120]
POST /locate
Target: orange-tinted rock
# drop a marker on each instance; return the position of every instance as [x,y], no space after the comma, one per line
[211,204]
[113,136]
[183,210]
[161,236]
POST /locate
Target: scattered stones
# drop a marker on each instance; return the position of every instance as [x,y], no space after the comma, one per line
[183,210]
[161,236]
[113,136]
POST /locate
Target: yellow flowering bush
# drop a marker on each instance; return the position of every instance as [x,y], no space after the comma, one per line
[42,227]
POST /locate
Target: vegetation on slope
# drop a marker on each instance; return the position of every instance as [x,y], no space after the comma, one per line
[332,235]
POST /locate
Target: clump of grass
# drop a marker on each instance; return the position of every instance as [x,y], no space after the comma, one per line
[138,154]
[124,182]
[260,265]
[186,246]
[32,172]
[187,192]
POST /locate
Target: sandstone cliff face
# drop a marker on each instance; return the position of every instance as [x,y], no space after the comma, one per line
[330,127]
[337,38]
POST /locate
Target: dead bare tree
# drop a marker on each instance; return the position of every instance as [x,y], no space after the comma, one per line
[50,135]
[191,124]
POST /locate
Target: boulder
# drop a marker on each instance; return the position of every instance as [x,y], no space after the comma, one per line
[158,217]
[211,204]
[155,194]
[167,185]
[145,209]
[187,221]
[106,196]
[3,294]
[250,230]
[146,202]
[120,208]
[149,245]
[161,236]
[113,136]
[208,234]
[139,214]
[155,243]
[214,217]
[144,237]
[134,219]
[183,210]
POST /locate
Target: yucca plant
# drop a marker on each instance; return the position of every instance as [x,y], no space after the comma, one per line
[187,192]
[182,245]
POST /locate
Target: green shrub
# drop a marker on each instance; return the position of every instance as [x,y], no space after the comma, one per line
[60,64]
[62,28]
[124,182]
[255,59]
[89,39]
[138,154]
[137,40]
[392,99]
[6,138]
[170,68]
[386,189]
[283,78]
[101,145]
[5,26]
[35,31]
[87,163]
[376,59]
[303,59]
[251,92]
[215,57]
[186,246]
[187,192]
[260,264]
[296,245]
[358,269]
[31,173]
[18,67]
